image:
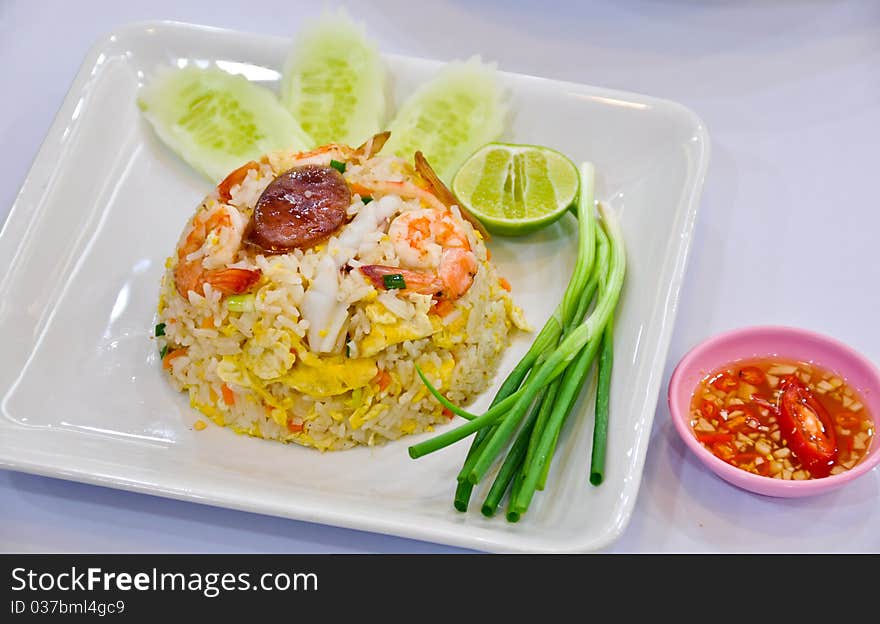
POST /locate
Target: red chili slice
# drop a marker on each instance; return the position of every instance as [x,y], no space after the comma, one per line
[763,468]
[724,382]
[806,425]
[752,375]
[709,410]
[714,438]
[723,450]
[746,458]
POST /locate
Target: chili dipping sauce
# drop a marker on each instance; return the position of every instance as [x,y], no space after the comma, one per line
[781,419]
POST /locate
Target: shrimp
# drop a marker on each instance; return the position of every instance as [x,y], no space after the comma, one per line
[207,247]
[442,192]
[282,161]
[434,252]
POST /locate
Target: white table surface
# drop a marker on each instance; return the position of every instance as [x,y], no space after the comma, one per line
[790,92]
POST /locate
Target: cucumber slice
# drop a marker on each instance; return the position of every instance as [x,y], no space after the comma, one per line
[450,117]
[334,82]
[216,121]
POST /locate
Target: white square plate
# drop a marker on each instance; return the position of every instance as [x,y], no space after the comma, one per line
[83,396]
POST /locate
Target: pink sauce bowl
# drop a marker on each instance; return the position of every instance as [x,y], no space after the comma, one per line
[786,343]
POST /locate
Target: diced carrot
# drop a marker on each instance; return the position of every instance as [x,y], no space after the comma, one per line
[724,382]
[170,356]
[382,379]
[293,427]
[207,323]
[448,413]
[444,307]
[228,395]
[504,283]
[234,178]
[488,254]
[360,189]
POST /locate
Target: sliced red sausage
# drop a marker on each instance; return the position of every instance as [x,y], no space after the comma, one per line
[299,209]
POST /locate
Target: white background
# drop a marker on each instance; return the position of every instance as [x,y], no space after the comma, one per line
[787,232]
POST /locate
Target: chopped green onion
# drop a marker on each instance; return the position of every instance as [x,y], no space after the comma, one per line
[240,303]
[160,330]
[339,166]
[357,397]
[366,199]
[393,281]
[163,351]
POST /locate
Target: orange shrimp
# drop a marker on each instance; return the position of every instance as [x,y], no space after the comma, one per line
[209,245]
[235,178]
[335,151]
[434,252]
[414,281]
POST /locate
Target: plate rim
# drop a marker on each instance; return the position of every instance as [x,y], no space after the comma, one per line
[40,175]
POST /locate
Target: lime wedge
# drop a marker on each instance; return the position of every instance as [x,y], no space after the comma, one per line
[516,189]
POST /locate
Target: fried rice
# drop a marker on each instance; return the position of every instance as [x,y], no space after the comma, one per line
[257,363]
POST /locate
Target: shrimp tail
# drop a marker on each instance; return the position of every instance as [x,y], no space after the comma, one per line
[372,146]
[442,192]
[232,281]
[414,281]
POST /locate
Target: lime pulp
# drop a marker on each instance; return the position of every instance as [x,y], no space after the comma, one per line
[516,189]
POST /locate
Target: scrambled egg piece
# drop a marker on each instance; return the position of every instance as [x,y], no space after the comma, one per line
[515,313]
[387,329]
[359,418]
[268,354]
[439,377]
[448,336]
[329,376]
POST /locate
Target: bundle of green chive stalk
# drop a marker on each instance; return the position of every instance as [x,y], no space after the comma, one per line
[537,397]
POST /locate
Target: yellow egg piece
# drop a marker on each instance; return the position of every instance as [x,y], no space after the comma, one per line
[330,376]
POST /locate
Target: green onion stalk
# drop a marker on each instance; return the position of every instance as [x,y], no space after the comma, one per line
[546,383]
